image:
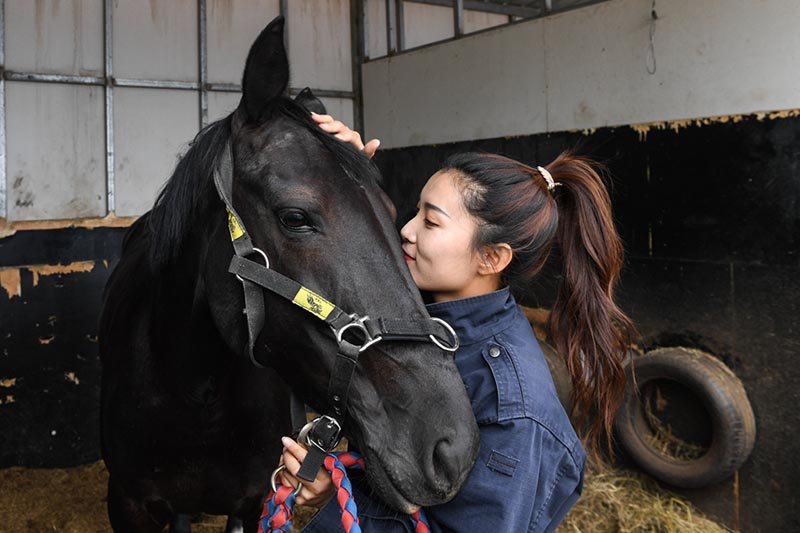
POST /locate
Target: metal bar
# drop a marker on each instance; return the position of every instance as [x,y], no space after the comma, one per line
[293,91]
[548,6]
[391,27]
[401,25]
[108,44]
[54,78]
[357,44]
[487,7]
[458,18]
[325,93]
[365,28]
[202,45]
[155,84]
[224,87]
[3,187]
[108,80]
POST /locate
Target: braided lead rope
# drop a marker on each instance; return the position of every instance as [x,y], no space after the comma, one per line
[277,513]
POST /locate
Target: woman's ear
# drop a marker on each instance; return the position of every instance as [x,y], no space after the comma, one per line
[495,259]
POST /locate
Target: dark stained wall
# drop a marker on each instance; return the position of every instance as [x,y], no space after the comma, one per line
[52,285]
[710,214]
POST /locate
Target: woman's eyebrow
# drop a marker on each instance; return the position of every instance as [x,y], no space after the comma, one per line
[429,205]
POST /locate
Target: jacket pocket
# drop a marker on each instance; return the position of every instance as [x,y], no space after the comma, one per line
[502,463]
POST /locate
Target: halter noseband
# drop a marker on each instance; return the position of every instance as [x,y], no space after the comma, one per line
[362,332]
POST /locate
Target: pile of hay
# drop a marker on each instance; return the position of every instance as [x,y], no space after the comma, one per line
[72,500]
[618,501]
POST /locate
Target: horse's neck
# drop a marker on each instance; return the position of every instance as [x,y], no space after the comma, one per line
[181,320]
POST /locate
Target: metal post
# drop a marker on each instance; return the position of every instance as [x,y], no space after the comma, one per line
[548,6]
[364,29]
[458,18]
[108,24]
[391,27]
[3,187]
[358,47]
[202,43]
[401,26]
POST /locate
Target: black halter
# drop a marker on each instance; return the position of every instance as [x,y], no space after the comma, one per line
[362,332]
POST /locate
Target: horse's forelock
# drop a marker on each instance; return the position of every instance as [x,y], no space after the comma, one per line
[352,160]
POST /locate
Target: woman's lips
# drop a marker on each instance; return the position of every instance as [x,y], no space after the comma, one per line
[407,257]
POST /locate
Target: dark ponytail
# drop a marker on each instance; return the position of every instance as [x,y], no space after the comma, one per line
[515,204]
[587,327]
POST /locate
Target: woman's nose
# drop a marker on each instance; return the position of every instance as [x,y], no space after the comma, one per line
[407,233]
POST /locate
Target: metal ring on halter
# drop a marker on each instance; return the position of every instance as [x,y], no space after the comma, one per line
[303,435]
[275,476]
[359,323]
[452,332]
[266,261]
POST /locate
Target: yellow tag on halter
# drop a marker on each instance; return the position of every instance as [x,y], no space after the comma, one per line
[313,303]
[234,228]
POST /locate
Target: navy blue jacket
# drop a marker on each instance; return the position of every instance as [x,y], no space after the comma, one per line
[529,470]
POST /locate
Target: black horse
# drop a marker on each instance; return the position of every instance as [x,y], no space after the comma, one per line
[189,424]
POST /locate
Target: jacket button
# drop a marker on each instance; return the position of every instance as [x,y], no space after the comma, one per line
[494,351]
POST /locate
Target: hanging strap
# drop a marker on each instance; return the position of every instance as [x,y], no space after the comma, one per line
[254,308]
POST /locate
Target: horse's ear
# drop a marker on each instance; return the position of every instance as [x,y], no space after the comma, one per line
[266,72]
[307,99]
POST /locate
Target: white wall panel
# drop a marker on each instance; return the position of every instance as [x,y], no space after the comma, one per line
[319,44]
[152,127]
[376,28]
[423,24]
[476,20]
[55,154]
[470,88]
[55,37]
[220,104]
[713,57]
[156,39]
[587,68]
[427,24]
[233,25]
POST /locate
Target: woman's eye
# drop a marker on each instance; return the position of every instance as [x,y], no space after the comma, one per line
[431,224]
[295,220]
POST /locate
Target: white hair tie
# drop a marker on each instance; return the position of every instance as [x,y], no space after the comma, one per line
[548,178]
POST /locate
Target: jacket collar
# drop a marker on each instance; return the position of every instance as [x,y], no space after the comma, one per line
[479,317]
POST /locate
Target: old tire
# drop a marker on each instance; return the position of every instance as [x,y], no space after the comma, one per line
[721,394]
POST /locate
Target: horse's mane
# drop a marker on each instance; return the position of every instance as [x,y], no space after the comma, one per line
[187,193]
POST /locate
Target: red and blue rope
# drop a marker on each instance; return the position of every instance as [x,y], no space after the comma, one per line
[276,516]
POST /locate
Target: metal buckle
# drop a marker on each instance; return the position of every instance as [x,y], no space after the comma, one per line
[357,322]
[274,477]
[266,261]
[452,332]
[305,433]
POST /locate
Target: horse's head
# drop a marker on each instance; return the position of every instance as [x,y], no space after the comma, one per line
[312,203]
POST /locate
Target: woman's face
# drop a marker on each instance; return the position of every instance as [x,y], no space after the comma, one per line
[438,242]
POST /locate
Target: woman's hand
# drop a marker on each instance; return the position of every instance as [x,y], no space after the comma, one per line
[315,494]
[342,132]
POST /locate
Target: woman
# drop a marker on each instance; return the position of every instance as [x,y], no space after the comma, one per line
[485,223]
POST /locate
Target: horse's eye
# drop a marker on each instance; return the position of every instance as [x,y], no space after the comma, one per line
[295,220]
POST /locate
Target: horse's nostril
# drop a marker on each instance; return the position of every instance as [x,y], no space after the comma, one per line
[447,464]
